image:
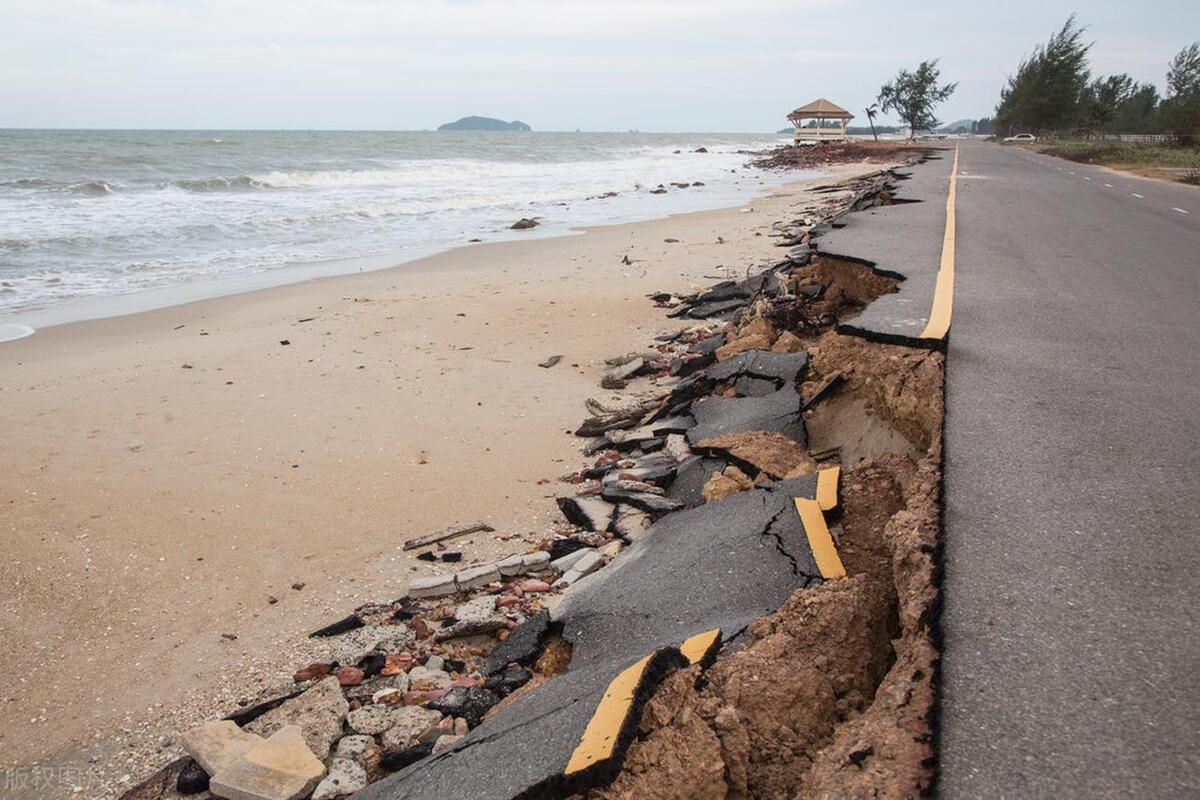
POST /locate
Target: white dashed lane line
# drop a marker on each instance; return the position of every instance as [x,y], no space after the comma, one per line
[1109,185]
[1180,210]
[1138,196]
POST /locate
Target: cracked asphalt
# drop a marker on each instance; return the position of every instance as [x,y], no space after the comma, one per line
[1072,478]
[720,565]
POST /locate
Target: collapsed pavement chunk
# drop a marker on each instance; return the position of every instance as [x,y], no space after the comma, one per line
[280,768]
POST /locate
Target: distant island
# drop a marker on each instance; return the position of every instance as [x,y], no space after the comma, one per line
[484,124]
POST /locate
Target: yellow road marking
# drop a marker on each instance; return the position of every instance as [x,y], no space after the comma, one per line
[600,736]
[819,539]
[827,488]
[696,647]
[943,291]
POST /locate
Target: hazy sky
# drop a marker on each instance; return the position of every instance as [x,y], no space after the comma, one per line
[654,65]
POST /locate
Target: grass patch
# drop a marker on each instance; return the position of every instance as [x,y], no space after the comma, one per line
[1126,153]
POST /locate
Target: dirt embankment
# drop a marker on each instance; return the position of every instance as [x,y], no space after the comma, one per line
[833,694]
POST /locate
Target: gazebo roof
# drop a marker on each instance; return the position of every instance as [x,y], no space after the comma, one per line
[820,109]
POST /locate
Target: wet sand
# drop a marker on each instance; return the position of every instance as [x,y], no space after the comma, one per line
[165,475]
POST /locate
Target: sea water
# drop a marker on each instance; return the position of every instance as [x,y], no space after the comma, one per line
[95,223]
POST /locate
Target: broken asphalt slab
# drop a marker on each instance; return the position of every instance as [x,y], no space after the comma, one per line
[717,566]
[905,238]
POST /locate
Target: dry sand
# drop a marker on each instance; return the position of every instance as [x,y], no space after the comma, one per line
[164,474]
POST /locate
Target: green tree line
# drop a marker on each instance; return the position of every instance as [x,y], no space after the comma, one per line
[1053,92]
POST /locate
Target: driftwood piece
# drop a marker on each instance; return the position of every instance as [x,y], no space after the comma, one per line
[447,533]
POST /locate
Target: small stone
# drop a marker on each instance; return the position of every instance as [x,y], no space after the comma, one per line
[345,778]
[396,664]
[354,746]
[435,661]
[524,223]
[192,779]
[298,585]
[425,679]
[445,742]
[312,671]
[788,342]
[534,585]
[370,720]
[350,676]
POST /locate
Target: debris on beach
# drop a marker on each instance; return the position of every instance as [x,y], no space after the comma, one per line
[524,223]
[712,414]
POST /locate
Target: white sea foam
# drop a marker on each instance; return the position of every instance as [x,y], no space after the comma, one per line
[89,213]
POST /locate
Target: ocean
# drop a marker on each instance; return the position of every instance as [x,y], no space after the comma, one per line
[96,223]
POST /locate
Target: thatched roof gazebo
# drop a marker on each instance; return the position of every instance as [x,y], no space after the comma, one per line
[831,120]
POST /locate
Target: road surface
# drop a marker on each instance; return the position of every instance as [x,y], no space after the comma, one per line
[1072,572]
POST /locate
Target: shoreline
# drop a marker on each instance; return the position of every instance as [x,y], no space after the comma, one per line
[184,466]
[80,309]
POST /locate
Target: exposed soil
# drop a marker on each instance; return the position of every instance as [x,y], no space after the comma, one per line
[833,694]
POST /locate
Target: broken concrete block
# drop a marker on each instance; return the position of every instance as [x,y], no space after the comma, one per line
[536,561]
[475,577]
[354,747]
[567,579]
[345,778]
[473,618]
[351,648]
[566,562]
[513,565]
[435,586]
[592,560]
[280,768]
[318,713]
[411,722]
[370,720]
[216,744]
[426,678]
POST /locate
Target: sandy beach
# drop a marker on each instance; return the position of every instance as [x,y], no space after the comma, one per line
[169,477]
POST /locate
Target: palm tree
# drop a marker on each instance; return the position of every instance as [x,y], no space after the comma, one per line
[871,111]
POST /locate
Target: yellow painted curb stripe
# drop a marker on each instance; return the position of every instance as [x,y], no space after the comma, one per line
[943,291]
[600,736]
[819,539]
[696,647]
[827,488]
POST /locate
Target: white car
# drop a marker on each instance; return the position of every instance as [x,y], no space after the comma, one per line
[1021,137]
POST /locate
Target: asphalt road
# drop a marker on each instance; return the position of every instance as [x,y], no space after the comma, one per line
[1072,571]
